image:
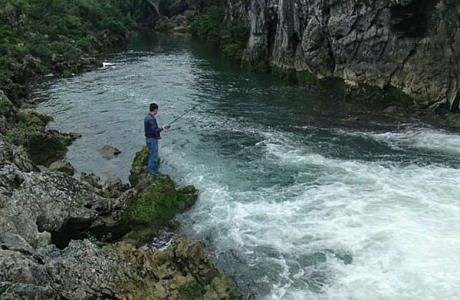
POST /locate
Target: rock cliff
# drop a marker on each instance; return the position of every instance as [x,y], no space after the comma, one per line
[411,46]
[60,238]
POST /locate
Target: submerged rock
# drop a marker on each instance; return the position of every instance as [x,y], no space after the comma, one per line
[109,151]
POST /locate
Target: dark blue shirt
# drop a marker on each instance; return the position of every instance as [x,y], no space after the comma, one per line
[151,127]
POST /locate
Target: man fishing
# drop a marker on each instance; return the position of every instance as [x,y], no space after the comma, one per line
[152,135]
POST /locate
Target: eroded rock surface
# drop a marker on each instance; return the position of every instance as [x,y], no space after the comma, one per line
[411,45]
[47,253]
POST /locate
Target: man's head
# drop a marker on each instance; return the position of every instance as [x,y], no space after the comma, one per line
[153,108]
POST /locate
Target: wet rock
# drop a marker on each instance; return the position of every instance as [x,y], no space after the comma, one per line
[92,179]
[156,206]
[185,270]
[109,152]
[139,166]
[62,166]
[113,187]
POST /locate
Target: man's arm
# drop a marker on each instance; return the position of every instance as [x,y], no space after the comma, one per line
[154,127]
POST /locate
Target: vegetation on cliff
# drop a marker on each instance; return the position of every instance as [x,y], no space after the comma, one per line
[210,23]
[57,36]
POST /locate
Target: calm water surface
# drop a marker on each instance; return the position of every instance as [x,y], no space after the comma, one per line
[302,195]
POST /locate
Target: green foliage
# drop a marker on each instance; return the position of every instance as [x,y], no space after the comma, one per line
[231,37]
[59,31]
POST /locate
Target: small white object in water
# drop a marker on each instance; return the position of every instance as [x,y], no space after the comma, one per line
[107,64]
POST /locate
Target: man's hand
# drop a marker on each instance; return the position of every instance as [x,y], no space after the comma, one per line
[166,126]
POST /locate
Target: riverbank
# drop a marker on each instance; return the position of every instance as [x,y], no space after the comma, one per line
[62,237]
[79,239]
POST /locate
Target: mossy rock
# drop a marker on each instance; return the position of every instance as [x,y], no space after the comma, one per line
[139,166]
[182,271]
[7,108]
[42,146]
[159,203]
[62,166]
[33,118]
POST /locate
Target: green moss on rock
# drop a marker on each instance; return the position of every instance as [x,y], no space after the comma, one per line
[159,203]
[33,118]
[42,146]
[139,166]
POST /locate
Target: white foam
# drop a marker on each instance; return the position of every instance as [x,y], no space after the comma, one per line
[421,138]
[400,225]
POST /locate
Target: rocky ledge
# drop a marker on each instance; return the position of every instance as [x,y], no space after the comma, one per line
[64,238]
[408,46]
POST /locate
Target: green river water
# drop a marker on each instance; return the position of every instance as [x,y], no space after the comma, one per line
[302,195]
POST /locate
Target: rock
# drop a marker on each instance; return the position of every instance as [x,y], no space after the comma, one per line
[180,29]
[7,108]
[62,166]
[163,24]
[42,146]
[113,187]
[44,219]
[92,179]
[384,44]
[179,20]
[393,110]
[139,166]
[109,152]
[185,270]
[16,155]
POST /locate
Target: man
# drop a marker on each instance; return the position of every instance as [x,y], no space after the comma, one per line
[152,135]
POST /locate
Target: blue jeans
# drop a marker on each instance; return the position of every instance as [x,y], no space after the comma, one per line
[152,144]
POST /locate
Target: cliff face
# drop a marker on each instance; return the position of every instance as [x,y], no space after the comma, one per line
[412,45]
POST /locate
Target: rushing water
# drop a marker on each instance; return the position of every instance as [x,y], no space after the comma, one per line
[298,200]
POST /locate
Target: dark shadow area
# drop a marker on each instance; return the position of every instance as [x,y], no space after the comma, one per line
[412,20]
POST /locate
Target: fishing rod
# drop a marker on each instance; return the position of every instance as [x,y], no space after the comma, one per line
[183,114]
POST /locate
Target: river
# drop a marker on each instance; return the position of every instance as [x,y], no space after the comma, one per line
[302,195]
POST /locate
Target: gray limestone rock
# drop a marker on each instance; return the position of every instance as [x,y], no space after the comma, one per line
[413,46]
[62,166]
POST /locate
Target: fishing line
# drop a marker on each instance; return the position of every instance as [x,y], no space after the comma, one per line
[183,114]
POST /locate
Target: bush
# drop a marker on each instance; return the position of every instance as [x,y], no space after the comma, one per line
[58,28]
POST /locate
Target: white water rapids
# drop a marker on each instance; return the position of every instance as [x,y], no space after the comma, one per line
[293,204]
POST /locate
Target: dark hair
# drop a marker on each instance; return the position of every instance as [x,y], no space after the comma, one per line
[153,106]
